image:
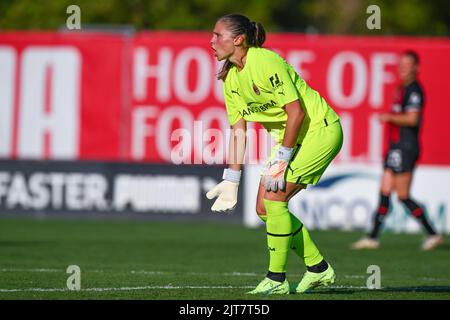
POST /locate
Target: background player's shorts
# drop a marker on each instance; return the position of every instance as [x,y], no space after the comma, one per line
[310,159]
[400,159]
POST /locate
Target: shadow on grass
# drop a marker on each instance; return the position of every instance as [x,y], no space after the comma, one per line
[423,289]
[433,289]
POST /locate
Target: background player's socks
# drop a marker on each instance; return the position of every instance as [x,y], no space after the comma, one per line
[302,244]
[276,276]
[419,214]
[279,234]
[380,215]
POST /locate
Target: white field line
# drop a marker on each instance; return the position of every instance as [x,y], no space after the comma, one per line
[29,270]
[41,270]
[234,274]
[167,287]
[434,279]
[238,274]
[345,287]
[149,272]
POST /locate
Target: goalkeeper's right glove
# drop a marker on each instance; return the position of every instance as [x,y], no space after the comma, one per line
[226,191]
[273,178]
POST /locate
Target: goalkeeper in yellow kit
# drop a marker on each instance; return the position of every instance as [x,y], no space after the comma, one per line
[260,86]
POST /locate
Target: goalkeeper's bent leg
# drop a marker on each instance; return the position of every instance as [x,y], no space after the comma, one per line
[279,234]
[301,242]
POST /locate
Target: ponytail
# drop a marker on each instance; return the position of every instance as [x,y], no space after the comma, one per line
[259,35]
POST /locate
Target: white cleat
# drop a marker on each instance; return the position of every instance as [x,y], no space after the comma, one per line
[432,242]
[366,243]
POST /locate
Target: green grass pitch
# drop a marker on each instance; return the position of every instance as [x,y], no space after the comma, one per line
[122,259]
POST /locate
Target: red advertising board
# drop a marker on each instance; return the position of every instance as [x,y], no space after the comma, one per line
[61,95]
[93,96]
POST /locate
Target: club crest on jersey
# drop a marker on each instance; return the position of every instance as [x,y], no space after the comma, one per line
[256,89]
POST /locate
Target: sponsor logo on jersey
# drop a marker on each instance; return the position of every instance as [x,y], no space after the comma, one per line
[252,108]
[275,81]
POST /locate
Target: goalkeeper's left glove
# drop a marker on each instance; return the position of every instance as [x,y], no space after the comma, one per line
[226,191]
[274,175]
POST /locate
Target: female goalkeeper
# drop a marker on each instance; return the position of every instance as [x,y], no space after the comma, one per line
[260,86]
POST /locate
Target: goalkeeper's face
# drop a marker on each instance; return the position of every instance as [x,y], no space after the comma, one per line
[222,41]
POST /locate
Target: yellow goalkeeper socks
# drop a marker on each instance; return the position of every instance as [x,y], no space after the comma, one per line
[301,242]
[279,234]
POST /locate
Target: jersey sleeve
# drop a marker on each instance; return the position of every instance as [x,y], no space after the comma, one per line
[280,78]
[232,112]
[414,101]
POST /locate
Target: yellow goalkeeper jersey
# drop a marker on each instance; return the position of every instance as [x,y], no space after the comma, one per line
[267,82]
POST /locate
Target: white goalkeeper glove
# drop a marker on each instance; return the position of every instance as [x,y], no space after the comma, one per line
[273,178]
[226,191]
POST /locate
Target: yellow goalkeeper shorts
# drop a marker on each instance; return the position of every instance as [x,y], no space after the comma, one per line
[310,159]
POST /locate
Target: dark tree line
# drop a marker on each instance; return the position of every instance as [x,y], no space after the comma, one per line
[404,17]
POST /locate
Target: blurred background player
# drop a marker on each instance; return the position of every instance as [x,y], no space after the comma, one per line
[403,123]
[260,86]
